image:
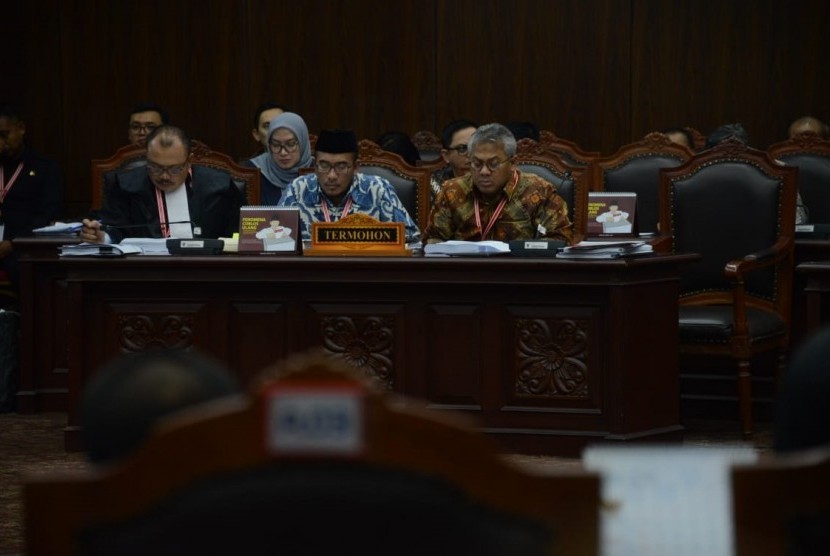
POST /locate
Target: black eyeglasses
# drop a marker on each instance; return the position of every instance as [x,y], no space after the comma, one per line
[136,127]
[493,164]
[339,168]
[460,149]
[157,170]
[288,146]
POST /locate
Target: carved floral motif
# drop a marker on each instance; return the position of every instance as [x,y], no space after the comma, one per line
[362,342]
[141,332]
[552,358]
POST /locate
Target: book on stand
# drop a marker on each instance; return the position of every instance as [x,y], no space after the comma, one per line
[269,229]
[612,214]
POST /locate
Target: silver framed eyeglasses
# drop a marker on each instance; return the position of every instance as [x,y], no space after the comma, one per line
[493,164]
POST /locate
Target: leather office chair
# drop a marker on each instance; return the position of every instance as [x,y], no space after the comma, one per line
[428,144]
[782,506]
[534,158]
[811,154]
[315,461]
[570,152]
[735,206]
[245,178]
[636,168]
[411,183]
[132,156]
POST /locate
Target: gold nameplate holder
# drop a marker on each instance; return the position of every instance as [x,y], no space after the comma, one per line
[358,235]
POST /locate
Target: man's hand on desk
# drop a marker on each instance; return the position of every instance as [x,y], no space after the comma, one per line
[92,231]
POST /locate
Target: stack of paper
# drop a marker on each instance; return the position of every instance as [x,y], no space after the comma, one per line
[59,228]
[467,248]
[98,250]
[604,250]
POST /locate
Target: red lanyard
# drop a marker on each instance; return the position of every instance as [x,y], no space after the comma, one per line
[5,187]
[346,208]
[496,213]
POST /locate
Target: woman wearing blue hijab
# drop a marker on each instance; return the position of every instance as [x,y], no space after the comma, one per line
[288,150]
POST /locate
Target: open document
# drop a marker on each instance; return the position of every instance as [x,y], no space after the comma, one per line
[87,249]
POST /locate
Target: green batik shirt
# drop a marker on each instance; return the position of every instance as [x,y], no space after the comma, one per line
[533,209]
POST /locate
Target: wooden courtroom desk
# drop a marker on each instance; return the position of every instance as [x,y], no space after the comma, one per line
[807,251]
[817,277]
[547,354]
[44,320]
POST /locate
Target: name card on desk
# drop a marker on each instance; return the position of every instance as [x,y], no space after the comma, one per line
[358,234]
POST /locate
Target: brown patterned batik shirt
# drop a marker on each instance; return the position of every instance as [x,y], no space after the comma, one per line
[533,209]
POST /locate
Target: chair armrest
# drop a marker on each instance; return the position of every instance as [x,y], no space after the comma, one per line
[737,268]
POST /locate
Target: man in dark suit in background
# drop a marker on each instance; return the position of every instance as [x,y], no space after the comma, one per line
[167,197]
[31,188]
[144,118]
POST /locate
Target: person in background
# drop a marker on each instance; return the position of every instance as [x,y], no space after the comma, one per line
[680,135]
[400,143]
[497,201]
[737,131]
[523,130]
[144,118]
[809,124]
[167,197]
[129,395]
[31,189]
[336,189]
[454,139]
[288,150]
[265,112]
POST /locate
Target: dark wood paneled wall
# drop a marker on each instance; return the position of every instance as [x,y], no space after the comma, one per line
[599,72]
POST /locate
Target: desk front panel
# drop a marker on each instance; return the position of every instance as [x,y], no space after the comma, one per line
[542,353]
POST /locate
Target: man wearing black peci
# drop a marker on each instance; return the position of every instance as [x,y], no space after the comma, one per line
[168,197]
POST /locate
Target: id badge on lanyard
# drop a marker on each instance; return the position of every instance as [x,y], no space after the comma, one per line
[2,229]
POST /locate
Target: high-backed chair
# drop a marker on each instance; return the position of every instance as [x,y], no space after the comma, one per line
[570,152]
[428,145]
[698,139]
[782,506]
[636,167]
[570,183]
[316,461]
[811,154]
[410,182]
[132,156]
[735,206]
[126,158]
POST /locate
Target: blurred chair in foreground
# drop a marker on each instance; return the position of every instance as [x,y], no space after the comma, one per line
[315,462]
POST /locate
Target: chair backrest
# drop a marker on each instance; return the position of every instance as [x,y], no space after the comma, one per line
[636,167]
[133,156]
[315,461]
[428,145]
[246,178]
[698,139]
[811,154]
[126,158]
[782,506]
[570,152]
[570,183]
[727,203]
[410,182]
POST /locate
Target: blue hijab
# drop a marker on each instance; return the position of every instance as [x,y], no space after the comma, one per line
[265,162]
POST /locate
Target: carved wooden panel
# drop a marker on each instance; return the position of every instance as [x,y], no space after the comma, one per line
[552,358]
[140,326]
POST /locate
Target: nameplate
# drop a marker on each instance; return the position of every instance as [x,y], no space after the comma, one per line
[302,420]
[358,234]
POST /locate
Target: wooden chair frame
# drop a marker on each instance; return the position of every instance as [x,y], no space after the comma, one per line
[201,154]
[529,152]
[570,152]
[651,146]
[232,435]
[371,154]
[778,256]
[427,142]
